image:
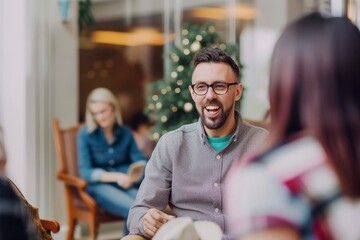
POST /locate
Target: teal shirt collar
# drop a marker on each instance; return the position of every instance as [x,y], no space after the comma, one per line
[219,143]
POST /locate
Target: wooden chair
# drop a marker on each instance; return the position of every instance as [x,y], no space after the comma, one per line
[80,205]
[264,123]
[44,227]
[258,123]
[50,226]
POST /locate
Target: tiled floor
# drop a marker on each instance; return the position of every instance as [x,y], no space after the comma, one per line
[111,231]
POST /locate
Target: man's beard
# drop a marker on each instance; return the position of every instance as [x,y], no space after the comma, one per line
[219,121]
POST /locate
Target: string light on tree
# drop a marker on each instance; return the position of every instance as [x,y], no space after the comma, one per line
[180,68]
[151,106]
[174,108]
[185,41]
[156,136]
[158,105]
[188,107]
[195,46]
[164,119]
[174,74]
[175,57]
[222,46]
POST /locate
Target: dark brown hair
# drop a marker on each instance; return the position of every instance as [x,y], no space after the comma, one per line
[208,54]
[315,85]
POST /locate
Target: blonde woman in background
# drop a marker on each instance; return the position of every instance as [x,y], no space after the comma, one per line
[106,149]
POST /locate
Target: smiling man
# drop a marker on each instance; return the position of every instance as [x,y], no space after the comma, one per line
[188,166]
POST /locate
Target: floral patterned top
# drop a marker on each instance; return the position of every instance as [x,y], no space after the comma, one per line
[290,185]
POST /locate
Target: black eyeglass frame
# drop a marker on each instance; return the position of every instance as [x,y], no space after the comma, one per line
[211,85]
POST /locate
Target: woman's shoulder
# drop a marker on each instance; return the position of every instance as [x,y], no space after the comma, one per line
[286,165]
[85,134]
[6,189]
[294,158]
[298,165]
[83,131]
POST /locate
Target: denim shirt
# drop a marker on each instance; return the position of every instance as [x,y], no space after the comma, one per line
[96,156]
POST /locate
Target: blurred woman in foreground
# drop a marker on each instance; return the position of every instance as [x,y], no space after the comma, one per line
[307,184]
[15,221]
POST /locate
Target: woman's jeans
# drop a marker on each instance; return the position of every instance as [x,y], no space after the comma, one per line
[113,199]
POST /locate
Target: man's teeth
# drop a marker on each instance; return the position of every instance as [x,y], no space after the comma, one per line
[212,108]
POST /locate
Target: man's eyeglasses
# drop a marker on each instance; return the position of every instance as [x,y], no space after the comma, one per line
[219,88]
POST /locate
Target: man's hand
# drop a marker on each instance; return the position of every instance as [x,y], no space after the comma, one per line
[153,220]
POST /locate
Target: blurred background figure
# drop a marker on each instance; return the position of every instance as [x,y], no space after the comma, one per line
[15,221]
[141,125]
[307,184]
[106,149]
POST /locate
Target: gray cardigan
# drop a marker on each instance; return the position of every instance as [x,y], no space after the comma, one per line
[187,173]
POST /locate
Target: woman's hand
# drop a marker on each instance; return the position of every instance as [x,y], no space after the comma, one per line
[122,179]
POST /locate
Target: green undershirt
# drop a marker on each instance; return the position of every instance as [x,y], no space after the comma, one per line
[219,143]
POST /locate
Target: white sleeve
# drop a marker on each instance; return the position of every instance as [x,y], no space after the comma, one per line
[256,200]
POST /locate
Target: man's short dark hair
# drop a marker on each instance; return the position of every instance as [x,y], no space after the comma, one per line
[208,54]
[140,119]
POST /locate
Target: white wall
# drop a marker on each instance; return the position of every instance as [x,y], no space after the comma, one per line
[1,59]
[65,58]
[38,80]
[256,44]
[13,77]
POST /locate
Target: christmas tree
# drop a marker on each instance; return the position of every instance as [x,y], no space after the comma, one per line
[169,99]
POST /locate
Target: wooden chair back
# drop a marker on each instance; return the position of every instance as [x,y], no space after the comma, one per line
[258,123]
[66,147]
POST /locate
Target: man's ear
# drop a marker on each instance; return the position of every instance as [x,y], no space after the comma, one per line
[238,92]
[191,92]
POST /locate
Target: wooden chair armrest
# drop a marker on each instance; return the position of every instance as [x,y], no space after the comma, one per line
[80,184]
[50,225]
[133,237]
[72,180]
